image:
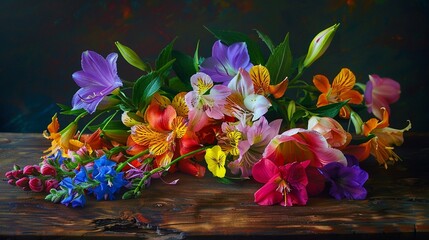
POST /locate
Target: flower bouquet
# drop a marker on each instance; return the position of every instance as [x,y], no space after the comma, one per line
[237,113]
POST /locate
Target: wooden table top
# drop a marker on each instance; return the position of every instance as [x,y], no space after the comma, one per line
[397,206]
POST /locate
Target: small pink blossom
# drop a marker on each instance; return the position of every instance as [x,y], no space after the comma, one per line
[35,184]
[379,93]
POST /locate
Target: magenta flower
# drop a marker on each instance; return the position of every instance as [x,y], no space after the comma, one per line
[256,138]
[225,61]
[297,145]
[285,184]
[380,92]
[97,79]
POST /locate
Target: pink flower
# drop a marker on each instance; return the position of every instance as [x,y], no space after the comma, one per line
[331,130]
[51,183]
[380,92]
[298,145]
[256,138]
[22,182]
[285,184]
[31,170]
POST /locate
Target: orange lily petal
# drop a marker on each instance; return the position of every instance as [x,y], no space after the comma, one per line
[322,100]
[160,118]
[179,127]
[344,81]
[353,96]
[370,125]
[361,152]
[164,159]
[322,83]
[261,79]
[279,90]
[385,121]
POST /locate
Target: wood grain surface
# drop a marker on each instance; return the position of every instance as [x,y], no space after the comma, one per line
[397,206]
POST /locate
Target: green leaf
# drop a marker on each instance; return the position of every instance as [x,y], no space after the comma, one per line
[266,40]
[230,37]
[279,63]
[66,110]
[165,55]
[196,58]
[131,57]
[224,180]
[357,140]
[183,66]
[330,110]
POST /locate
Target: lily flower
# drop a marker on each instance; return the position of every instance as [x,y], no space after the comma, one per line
[382,144]
[331,130]
[298,145]
[379,93]
[97,79]
[283,184]
[225,61]
[215,159]
[341,90]
[60,140]
[162,130]
[243,103]
[261,81]
[201,106]
[255,139]
[229,138]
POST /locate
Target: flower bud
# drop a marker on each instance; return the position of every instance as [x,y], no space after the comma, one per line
[17,174]
[22,182]
[31,170]
[51,183]
[331,130]
[319,44]
[35,184]
[48,170]
[11,181]
[9,174]
[357,122]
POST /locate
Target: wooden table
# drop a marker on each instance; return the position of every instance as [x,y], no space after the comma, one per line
[397,206]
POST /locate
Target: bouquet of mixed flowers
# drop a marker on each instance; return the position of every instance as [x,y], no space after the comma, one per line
[236,113]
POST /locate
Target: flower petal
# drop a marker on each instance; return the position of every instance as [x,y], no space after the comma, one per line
[264,170]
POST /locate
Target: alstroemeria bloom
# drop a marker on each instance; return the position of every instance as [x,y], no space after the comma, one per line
[97,79]
[283,184]
[215,159]
[202,106]
[341,90]
[162,130]
[346,181]
[255,139]
[297,145]
[225,61]
[381,146]
[330,129]
[379,93]
[243,103]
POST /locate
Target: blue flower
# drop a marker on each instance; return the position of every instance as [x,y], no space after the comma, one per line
[73,196]
[346,181]
[109,180]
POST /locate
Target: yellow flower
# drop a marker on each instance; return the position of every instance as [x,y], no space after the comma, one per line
[215,159]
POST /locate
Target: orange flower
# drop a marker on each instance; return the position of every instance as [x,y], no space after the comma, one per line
[341,90]
[261,82]
[381,146]
[60,140]
[162,130]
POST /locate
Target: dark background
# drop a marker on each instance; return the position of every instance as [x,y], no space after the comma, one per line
[42,41]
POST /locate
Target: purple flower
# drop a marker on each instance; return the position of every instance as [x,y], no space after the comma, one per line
[110,180]
[381,92]
[97,79]
[346,181]
[225,61]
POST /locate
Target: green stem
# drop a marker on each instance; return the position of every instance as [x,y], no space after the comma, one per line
[125,100]
[123,164]
[164,168]
[89,123]
[80,116]
[109,119]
